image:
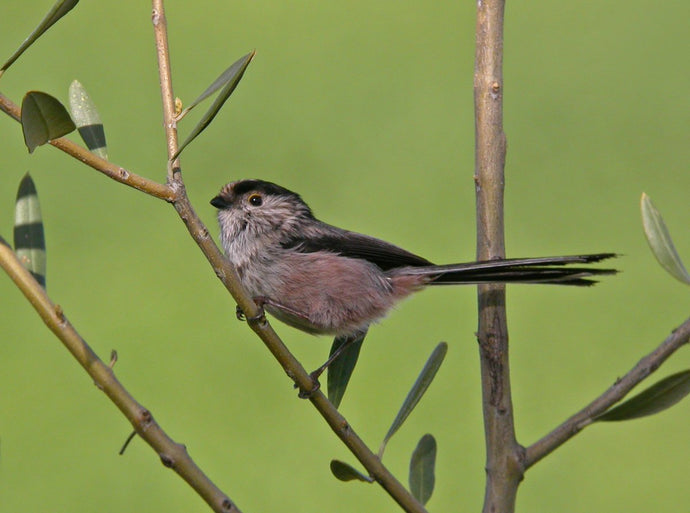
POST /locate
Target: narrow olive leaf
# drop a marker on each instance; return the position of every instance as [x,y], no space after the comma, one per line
[660,241]
[226,77]
[340,371]
[417,391]
[231,77]
[87,120]
[345,472]
[29,242]
[658,397]
[43,119]
[422,465]
[59,9]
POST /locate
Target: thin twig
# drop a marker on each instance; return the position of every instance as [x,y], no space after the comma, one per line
[126,444]
[117,173]
[172,454]
[160,32]
[646,366]
[504,469]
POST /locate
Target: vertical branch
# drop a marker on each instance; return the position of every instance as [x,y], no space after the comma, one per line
[504,465]
[160,30]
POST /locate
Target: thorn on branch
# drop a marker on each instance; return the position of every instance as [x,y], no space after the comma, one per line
[113,359]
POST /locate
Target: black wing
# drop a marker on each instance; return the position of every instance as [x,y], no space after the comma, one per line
[356,245]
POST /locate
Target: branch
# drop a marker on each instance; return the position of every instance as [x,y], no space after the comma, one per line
[117,173]
[172,454]
[504,466]
[160,32]
[230,279]
[174,192]
[614,394]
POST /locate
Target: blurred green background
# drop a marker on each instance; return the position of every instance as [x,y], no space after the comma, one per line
[365,108]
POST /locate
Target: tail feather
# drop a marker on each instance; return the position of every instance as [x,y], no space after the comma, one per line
[548,270]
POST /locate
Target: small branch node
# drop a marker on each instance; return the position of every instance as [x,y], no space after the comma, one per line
[495,90]
[60,314]
[145,419]
[176,186]
[167,461]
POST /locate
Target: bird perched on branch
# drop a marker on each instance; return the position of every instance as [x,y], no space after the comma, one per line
[322,279]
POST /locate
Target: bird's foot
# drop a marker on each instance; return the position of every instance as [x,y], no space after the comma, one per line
[315,386]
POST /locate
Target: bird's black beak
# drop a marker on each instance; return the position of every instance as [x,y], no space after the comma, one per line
[220,202]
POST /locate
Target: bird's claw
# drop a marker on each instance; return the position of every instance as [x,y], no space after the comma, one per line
[258,317]
[315,386]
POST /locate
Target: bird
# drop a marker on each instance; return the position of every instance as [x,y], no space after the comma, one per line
[326,280]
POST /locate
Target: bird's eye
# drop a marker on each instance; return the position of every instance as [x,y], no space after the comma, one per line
[255,200]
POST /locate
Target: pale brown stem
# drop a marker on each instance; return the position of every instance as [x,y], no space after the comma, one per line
[172,454]
[576,423]
[504,468]
[117,173]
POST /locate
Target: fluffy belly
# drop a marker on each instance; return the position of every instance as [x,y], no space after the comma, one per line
[336,295]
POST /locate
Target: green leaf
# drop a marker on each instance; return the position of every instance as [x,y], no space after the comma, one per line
[230,77]
[43,119]
[660,241]
[29,241]
[345,472]
[59,9]
[422,466]
[226,77]
[87,120]
[658,397]
[417,391]
[340,371]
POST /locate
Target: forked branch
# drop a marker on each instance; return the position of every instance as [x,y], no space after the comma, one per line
[576,423]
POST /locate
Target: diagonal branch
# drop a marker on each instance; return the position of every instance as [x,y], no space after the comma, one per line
[230,279]
[174,192]
[171,453]
[646,366]
[117,173]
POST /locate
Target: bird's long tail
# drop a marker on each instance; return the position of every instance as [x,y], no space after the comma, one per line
[553,270]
